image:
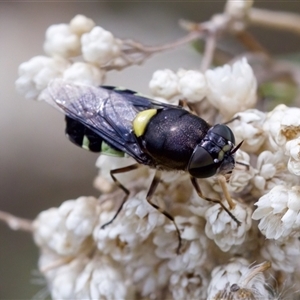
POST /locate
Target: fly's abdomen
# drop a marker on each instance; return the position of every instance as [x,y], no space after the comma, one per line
[171,136]
[82,136]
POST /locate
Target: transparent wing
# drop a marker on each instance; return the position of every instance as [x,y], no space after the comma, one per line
[104,111]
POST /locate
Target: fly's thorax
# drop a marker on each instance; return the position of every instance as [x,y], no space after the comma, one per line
[171,136]
[213,155]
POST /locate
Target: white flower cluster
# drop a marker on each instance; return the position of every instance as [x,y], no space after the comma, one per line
[63,43]
[137,256]
[232,88]
[279,213]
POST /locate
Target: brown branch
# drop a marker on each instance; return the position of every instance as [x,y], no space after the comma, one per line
[250,42]
[16,223]
[277,20]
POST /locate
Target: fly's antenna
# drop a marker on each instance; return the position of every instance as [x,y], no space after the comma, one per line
[236,148]
[239,162]
[243,164]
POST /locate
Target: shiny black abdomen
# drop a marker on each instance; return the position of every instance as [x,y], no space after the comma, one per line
[171,137]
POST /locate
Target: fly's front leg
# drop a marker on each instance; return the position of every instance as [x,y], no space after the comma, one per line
[121,186]
[226,194]
[150,193]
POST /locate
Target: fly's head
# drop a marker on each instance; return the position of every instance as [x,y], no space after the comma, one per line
[214,154]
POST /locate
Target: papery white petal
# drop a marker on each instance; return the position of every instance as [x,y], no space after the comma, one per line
[84,73]
[232,89]
[61,41]
[35,74]
[99,46]
[164,83]
[192,85]
[81,24]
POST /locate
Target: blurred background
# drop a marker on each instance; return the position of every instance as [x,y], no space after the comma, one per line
[39,168]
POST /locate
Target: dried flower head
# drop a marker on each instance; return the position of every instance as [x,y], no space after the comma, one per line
[232,88]
[192,85]
[278,213]
[236,280]
[164,83]
[99,46]
[61,41]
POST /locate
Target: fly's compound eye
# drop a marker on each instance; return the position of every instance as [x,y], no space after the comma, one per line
[214,154]
[223,131]
[202,164]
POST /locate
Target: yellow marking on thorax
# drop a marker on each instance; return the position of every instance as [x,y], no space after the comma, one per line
[141,121]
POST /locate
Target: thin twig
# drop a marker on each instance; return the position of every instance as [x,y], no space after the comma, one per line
[16,223]
[209,51]
[277,20]
[153,49]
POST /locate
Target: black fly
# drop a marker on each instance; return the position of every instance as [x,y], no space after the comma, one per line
[161,136]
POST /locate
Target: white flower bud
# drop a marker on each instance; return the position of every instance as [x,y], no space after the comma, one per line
[164,83]
[271,170]
[102,278]
[84,278]
[99,46]
[84,73]
[293,151]
[221,228]
[149,273]
[61,41]
[193,251]
[242,174]
[192,85]
[283,255]
[249,128]
[232,89]
[64,230]
[80,24]
[133,226]
[35,74]
[278,213]
[282,125]
[189,284]
[80,218]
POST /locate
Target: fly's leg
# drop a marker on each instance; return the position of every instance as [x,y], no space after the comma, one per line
[183,103]
[226,194]
[232,120]
[150,193]
[126,191]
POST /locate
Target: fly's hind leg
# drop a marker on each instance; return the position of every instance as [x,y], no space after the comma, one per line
[222,182]
[122,187]
[150,193]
